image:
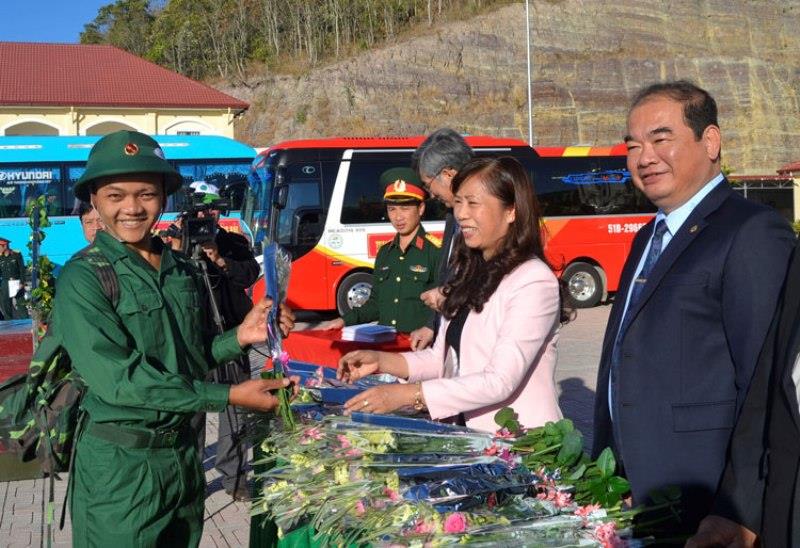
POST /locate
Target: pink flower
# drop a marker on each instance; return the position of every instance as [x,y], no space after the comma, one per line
[491,451]
[353,453]
[586,511]
[312,382]
[455,523]
[360,509]
[423,527]
[284,358]
[508,457]
[606,534]
[559,498]
[504,433]
[343,440]
[313,433]
[391,493]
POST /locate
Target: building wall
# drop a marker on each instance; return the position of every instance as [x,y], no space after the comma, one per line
[99,121]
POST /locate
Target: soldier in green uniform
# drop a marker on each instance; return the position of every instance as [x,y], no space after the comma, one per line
[137,479]
[405,266]
[12,269]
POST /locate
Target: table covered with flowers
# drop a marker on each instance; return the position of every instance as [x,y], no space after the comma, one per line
[324,479]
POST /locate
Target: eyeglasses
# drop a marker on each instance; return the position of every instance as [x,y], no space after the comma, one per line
[431,180]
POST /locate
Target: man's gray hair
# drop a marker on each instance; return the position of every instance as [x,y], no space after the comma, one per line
[444,148]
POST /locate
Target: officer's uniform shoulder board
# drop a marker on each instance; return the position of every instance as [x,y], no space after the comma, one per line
[434,240]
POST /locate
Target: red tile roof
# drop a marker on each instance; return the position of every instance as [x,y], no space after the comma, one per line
[97,75]
[794,167]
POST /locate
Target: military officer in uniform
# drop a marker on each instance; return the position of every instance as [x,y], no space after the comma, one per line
[144,357]
[12,269]
[404,267]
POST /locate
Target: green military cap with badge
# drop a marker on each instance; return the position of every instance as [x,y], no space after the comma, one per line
[402,185]
[126,152]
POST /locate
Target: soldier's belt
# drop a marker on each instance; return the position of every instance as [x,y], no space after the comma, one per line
[140,439]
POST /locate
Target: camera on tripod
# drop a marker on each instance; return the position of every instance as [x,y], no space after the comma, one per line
[197,224]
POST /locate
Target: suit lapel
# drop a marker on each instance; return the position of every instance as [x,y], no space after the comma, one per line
[689,230]
[626,278]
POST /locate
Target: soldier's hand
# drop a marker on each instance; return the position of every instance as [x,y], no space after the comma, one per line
[421,338]
[718,531]
[338,323]
[254,394]
[433,298]
[253,328]
[286,319]
[357,364]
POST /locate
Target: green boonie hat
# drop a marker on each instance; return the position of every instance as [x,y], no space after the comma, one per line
[124,152]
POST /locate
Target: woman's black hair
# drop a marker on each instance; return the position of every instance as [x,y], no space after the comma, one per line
[475,279]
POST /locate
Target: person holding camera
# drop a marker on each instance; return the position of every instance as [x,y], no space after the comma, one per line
[232,269]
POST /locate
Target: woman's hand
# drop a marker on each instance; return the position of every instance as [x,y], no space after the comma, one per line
[358,364]
[382,399]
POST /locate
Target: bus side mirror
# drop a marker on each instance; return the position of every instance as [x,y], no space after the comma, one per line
[281,196]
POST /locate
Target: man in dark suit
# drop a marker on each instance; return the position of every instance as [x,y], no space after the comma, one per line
[759,497]
[696,297]
[437,161]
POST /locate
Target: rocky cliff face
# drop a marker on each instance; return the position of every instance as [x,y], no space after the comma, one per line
[589,58]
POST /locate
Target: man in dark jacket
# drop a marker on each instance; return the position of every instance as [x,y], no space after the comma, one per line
[12,269]
[232,269]
[437,161]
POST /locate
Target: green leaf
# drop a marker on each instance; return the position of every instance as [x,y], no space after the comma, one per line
[606,463]
[571,448]
[505,415]
[577,473]
[618,486]
[565,426]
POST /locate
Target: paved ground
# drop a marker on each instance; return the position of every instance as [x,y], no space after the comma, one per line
[228,523]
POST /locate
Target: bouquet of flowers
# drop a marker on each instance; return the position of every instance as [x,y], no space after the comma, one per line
[277,267]
[397,481]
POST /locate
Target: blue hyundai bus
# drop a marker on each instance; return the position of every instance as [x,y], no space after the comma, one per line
[35,166]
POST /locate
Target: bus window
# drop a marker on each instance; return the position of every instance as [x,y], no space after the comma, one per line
[73,174]
[587,186]
[221,175]
[20,185]
[363,196]
[299,223]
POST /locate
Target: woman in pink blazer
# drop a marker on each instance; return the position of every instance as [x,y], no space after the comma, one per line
[502,311]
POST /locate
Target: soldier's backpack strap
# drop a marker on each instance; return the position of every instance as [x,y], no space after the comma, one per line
[104,270]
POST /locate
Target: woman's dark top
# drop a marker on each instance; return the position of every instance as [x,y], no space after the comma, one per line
[454,329]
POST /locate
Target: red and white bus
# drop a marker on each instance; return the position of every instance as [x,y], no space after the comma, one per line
[321,200]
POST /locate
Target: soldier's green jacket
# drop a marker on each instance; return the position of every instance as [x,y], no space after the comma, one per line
[398,280]
[144,362]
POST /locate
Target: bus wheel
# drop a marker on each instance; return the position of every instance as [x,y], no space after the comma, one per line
[584,285]
[353,291]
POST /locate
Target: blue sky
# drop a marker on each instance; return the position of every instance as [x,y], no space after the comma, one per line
[46,20]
